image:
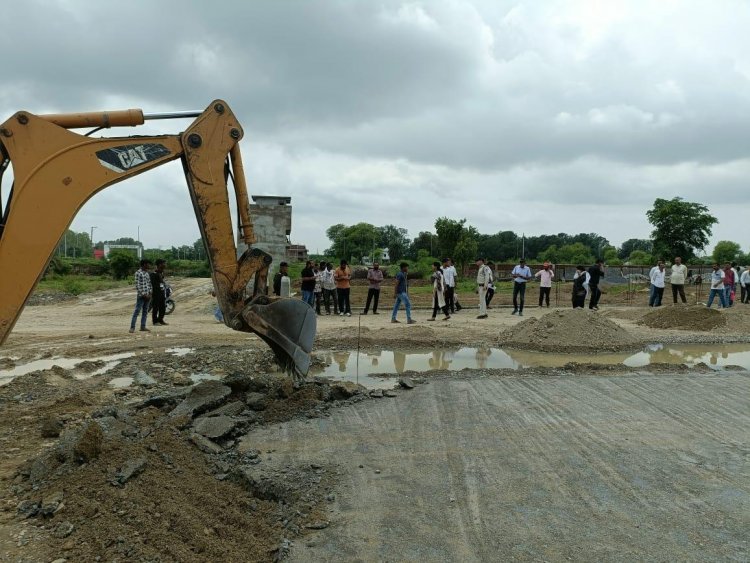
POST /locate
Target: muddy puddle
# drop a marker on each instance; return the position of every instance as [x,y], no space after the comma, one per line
[345,365]
[74,364]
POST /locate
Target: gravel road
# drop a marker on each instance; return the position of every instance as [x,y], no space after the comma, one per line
[584,468]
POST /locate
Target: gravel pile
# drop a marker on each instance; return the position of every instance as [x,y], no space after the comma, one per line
[570,330]
[698,318]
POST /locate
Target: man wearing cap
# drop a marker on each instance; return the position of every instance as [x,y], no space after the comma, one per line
[520,274]
[484,278]
[545,275]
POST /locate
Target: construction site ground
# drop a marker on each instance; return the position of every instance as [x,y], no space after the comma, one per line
[107,451]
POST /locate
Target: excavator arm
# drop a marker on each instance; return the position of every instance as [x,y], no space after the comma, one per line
[56,171]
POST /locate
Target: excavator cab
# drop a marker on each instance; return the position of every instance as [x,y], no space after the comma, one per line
[56,171]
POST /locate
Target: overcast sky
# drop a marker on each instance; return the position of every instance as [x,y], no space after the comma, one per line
[533,116]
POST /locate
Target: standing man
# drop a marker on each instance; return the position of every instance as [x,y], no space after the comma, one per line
[580,282]
[745,284]
[143,292]
[374,278]
[595,274]
[717,286]
[159,300]
[455,285]
[329,289]
[728,284]
[401,293]
[342,275]
[318,291]
[521,274]
[438,293]
[484,277]
[545,275]
[283,272]
[308,284]
[677,280]
[449,280]
[657,275]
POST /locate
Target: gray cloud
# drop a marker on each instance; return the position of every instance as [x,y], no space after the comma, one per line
[517,114]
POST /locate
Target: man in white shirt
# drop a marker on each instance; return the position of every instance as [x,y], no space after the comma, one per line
[717,286]
[545,275]
[677,280]
[484,278]
[657,275]
[520,274]
[745,285]
[449,280]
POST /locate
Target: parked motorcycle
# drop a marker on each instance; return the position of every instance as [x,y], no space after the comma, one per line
[169,304]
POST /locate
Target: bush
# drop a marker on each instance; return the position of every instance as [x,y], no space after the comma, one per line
[58,266]
[122,263]
[73,286]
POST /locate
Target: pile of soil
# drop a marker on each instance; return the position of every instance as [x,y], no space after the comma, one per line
[570,330]
[170,476]
[695,317]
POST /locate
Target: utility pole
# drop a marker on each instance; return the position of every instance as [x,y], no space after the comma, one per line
[92,240]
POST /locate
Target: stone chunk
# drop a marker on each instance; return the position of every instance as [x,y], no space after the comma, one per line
[142,379]
[214,427]
[205,445]
[255,401]
[230,409]
[132,468]
[203,397]
[51,427]
[345,389]
[376,393]
[390,393]
[406,382]
[242,382]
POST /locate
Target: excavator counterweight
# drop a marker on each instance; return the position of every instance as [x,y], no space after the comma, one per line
[56,171]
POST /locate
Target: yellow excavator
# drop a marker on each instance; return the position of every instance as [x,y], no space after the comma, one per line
[55,171]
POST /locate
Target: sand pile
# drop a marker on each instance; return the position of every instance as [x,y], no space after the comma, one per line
[570,330]
[696,317]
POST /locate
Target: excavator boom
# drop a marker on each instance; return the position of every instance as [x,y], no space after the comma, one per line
[56,171]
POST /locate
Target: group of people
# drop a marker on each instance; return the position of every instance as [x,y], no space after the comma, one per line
[724,283]
[150,290]
[325,287]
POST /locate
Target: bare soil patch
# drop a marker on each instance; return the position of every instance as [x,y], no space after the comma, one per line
[570,330]
[698,318]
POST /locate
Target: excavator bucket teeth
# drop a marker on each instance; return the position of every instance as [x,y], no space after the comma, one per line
[288,326]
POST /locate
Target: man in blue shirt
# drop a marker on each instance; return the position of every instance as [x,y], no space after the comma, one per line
[521,274]
[401,294]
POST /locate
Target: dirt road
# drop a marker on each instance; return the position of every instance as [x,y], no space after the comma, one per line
[567,461]
[577,468]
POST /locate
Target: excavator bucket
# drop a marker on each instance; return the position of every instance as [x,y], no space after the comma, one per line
[288,327]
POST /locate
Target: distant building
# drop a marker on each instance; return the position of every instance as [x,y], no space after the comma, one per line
[272,225]
[381,256]
[137,247]
[296,252]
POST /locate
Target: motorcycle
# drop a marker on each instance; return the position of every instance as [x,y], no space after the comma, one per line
[169,304]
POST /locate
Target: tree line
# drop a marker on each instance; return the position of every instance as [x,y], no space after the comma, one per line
[680,228]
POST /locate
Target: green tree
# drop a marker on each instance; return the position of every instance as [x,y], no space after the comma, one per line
[466,249]
[634,244]
[395,239]
[727,251]
[121,262]
[680,227]
[352,242]
[449,232]
[640,258]
[423,241]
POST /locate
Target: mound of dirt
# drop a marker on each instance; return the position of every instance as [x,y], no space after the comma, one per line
[570,330]
[695,317]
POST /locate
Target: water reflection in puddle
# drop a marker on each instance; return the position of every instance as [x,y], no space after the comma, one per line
[179,351]
[7,375]
[121,382]
[343,365]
